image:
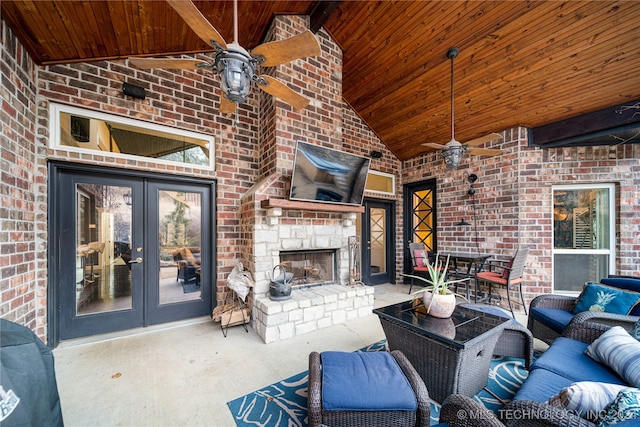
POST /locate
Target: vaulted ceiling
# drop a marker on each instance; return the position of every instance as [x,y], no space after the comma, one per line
[521,63]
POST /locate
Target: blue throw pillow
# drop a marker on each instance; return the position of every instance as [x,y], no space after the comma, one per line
[635,332]
[596,297]
[619,351]
[626,406]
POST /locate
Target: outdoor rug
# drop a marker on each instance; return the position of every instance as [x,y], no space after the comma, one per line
[284,404]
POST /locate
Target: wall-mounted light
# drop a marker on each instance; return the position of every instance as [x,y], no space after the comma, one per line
[375,154]
[462,223]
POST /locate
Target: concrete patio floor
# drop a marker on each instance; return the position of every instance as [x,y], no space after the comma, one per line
[184,373]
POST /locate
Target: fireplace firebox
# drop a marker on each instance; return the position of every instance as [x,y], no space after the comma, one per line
[310,267]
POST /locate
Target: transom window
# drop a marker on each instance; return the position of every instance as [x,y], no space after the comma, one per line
[75,129]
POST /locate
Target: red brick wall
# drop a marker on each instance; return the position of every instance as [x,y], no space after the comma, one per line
[186,100]
[514,203]
[23,215]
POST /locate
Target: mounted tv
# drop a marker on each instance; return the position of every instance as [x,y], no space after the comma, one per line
[326,175]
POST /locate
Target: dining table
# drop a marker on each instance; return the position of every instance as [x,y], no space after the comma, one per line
[465,265]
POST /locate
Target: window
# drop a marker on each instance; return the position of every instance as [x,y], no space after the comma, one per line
[380,182]
[583,235]
[81,130]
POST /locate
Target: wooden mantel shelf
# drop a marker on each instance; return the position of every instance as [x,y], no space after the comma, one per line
[310,206]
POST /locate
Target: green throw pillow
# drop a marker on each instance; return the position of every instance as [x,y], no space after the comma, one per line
[597,297]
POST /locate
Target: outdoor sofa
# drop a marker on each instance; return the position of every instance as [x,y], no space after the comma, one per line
[550,314]
[565,373]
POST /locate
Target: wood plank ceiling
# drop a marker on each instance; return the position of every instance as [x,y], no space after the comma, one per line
[521,63]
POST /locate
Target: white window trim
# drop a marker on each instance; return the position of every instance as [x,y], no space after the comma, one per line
[386,175]
[54,135]
[612,230]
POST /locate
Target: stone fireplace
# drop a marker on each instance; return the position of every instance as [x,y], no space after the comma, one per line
[274,227]
[317,253]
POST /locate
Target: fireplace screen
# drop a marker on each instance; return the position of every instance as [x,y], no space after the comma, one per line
[312,267]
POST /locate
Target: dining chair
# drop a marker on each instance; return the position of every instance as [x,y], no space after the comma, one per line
[420,257]
[507,274]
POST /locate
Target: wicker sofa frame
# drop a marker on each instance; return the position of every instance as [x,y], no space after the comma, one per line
[319,417]
[564,302]
[462,411]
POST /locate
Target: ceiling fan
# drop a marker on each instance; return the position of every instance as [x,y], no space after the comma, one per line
[235,66]
[454,150]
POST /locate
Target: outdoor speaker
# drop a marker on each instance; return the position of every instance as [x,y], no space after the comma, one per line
[134,91]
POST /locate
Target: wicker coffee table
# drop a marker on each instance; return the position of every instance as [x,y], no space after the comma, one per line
[451,355]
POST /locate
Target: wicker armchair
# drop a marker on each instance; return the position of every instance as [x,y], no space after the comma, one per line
[463,411]
[319,417]
[549,331]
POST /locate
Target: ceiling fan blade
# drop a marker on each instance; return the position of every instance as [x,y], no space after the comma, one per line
[197,21]
[280,52]
[170,63]
[484,152]
[434,145]
[281,91]
[483,139]
[226,106]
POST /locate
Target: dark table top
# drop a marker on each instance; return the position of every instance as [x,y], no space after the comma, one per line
[465,326]
[467,256]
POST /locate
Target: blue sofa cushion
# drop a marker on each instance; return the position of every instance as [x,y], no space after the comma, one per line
[364,381]
[631,284]
[597,297]
[554,318]
[566,358]
[541,385]
[628,283]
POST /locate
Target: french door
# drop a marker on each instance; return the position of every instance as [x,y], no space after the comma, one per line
[419,217]
[128,250]
[378,242]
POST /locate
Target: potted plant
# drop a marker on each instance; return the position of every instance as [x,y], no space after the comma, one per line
[438,299]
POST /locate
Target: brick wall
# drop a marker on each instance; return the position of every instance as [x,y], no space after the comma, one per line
[244,155]
[513,200]
[23,190]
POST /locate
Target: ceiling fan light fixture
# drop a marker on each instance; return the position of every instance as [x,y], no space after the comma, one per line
[452,156]
[236,70]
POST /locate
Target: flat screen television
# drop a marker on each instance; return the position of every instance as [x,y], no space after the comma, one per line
[326,175]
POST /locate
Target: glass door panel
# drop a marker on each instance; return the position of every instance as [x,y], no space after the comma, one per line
[377,231]
[180,246]
[378,244]
[179,279]
[98,273]
[103,248]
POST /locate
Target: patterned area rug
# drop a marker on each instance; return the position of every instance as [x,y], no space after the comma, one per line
[284,404]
